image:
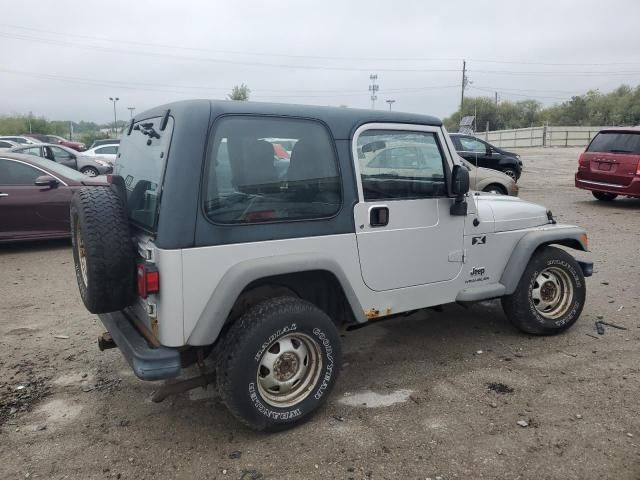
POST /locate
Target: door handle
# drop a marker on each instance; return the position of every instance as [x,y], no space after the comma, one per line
[378,216]
[4,194]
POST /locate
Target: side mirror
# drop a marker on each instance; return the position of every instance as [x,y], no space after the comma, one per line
[46,181]
[460,181]
[459,187]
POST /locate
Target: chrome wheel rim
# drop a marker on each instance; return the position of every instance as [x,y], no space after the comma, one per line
[82,254]
[289,369]
[89,172]
[552,293]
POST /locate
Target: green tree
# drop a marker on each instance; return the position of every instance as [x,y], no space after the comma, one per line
[240,92]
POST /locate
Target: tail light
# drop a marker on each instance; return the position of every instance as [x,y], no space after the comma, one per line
[638,169]
[580,160]
[148,280]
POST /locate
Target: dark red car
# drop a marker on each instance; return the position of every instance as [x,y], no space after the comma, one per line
[79,147]
[34,197]
[610,166]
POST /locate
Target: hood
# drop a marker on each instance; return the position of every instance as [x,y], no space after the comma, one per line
[99,181]
[512,213]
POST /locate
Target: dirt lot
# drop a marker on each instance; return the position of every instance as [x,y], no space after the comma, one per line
[435,395]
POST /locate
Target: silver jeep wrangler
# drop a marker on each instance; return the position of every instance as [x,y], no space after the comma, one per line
[250,233]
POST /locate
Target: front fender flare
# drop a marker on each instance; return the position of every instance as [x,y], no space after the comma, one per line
[234,281]
[568,236]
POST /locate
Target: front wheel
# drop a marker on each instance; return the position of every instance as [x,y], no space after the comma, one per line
[604,196]
[90,171]
[550,295]
[512,173]
[278,363]
[495,188]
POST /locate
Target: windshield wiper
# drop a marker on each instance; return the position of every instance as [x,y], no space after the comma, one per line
[147,129]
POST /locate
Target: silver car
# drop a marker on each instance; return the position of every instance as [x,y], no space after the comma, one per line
[90,166]
[489,180]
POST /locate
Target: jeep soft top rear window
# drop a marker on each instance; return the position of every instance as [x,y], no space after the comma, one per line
[616,142]
[141,162]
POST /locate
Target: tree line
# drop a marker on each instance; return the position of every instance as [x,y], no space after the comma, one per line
[621,107]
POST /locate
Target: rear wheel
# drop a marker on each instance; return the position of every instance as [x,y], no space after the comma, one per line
[604,196]
[550,295]
[495,188]
[278,363]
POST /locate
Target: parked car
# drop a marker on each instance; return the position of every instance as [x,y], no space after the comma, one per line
[199,247]
[57,140]
[34,197]
[90,166]
[610,166]
[490,181]
[105,141]
[7,144]
[21,139]
[423,159]
[485,155]
[107,151]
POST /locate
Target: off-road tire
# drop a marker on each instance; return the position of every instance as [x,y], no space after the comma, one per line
[520,307]
[100,235]
[253,336]
[604,196]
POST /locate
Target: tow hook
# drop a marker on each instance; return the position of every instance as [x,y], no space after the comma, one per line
[105,342]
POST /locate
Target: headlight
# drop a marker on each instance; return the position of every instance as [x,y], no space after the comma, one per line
[103,163]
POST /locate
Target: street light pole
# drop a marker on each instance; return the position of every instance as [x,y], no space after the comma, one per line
[390,102]
[115,115]
[131,109]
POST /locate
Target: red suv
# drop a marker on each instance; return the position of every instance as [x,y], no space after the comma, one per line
[610,166]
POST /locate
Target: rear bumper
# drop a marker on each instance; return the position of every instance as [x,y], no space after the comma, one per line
[147,362]
[632,190]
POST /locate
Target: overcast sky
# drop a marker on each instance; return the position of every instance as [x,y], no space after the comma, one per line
[64,59]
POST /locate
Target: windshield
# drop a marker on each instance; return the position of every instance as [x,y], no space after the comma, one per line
[141,165]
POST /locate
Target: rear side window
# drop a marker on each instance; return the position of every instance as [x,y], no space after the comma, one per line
[615,142]
[396,164]
[250,180]
[141,164]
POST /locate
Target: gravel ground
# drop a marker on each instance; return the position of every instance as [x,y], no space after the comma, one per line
[434,395]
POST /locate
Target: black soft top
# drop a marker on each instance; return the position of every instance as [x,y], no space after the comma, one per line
[342,121]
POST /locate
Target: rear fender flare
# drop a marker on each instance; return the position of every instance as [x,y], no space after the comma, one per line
[234,281]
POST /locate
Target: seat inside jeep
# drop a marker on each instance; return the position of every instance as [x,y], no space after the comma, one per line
[249,178]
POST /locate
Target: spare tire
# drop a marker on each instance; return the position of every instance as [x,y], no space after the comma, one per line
[102,249]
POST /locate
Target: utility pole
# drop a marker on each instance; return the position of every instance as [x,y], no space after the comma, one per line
[496,99]
[463,85]
[131,109]
[390,102]
[115,115]
[373,88]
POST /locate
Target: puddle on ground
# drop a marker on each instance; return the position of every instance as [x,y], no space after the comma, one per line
[369,399]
